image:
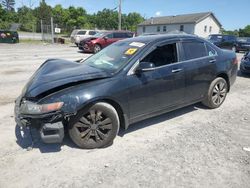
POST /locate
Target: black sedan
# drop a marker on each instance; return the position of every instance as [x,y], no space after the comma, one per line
[245,63]
[242,44]
[127,82]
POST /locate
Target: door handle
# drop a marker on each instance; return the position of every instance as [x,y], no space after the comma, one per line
[176,70]
[212,61]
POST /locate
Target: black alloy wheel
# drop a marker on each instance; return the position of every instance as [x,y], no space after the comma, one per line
[217,93]
[96,128]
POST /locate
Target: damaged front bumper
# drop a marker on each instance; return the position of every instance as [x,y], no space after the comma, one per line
[50,125]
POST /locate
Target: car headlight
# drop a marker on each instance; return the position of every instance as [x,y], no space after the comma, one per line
[28,107]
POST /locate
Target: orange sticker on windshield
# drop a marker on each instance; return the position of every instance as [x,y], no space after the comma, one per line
[130,51]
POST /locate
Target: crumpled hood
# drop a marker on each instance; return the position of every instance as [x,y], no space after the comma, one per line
[56,72]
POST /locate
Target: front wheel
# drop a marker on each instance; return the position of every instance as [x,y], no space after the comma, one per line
[96,128]
[216,94]
[97,48]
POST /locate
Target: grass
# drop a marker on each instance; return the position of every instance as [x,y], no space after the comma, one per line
[30,41]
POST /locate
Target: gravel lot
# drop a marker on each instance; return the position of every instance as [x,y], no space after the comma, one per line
[190,147]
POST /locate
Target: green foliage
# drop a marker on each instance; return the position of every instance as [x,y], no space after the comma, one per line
[66,18]
[228,32]
[7,17]
[132,20]
[26,19]
[8,4]
[245,32]
[43,12]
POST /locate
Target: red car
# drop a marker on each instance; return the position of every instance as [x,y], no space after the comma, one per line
[101,40]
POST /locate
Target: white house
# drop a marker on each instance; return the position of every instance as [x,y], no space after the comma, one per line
[201,24]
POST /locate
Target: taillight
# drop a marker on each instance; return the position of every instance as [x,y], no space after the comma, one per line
[235,61]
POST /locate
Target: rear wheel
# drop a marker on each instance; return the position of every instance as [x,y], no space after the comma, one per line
[97,48]
[217,93]
[97,128]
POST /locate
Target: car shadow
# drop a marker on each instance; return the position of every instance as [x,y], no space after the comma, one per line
[82,52]
[161,118]
[30,138]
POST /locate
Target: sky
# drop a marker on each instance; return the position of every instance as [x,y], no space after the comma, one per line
[231,13]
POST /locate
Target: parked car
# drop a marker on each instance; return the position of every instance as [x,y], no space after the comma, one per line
[83,34]
[224,41]
[103,39]
[245,63]
[9,36]
[243,44]
[72,35]
[129,81]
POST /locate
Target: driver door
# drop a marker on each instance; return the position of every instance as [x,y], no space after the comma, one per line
[160,88]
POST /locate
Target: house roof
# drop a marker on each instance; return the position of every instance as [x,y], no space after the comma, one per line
[179,19]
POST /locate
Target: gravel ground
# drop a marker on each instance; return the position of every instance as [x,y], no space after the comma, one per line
[190,147]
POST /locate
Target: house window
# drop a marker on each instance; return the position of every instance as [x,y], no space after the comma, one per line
[181,27]
[164,28]
[210,29]
[158,28]
[205,28]
[144,29]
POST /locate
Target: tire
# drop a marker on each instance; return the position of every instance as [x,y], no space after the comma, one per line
[216,94]
[97,48]
[97,128]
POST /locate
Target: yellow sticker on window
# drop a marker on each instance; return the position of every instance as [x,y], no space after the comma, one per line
[130,51]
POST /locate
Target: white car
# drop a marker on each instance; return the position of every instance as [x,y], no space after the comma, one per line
[83,34]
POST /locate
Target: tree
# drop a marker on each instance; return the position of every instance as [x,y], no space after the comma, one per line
[43,12]
[26,19]
[106,19]
[245,32]
[132,20]
[8,4]
[229,32]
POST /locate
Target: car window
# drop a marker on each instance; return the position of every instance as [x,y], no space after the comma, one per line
[115,56]
[210,51]
[129,35]
[229,38]
[163,55]
[110,36]
[92,32]
[119,35]
[194,49]
[215,38]
[81,33]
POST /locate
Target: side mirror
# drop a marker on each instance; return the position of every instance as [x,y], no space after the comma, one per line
[105,38]
[145,66]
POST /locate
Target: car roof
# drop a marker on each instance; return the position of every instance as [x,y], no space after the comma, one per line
[156,38]
[120,31]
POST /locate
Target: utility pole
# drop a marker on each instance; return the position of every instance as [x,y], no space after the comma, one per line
[120,15]
[52,31]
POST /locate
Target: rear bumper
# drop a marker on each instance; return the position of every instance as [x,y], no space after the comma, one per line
[49,125]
